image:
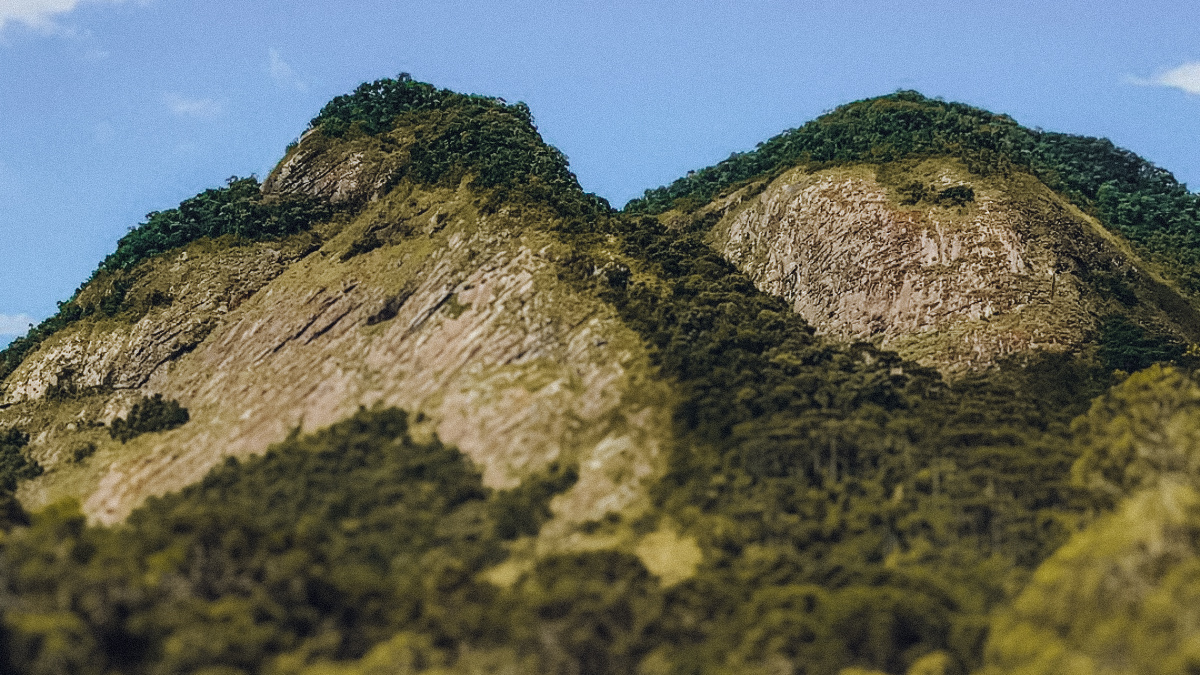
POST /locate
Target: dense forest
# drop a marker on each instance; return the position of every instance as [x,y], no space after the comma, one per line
[852,508]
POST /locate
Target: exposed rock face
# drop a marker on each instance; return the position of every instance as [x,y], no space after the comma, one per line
[338,179]
[419,302]
[343,171]
[956,288]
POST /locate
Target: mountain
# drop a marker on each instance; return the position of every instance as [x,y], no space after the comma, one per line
[418,403]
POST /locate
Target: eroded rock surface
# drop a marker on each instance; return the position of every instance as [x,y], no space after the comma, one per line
[343,171]
[953,287]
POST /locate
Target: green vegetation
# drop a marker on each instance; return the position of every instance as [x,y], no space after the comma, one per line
[148,416]
[15,465]
[1128,194]
[82,451]
[453,135]
[1121,596]
[1137,434]
[918,193]
[238,209]
[1128,346]
[903,125]
[374,106]
[871,513]
[319,550]
[523,510]
[323,546]
[16,351]
[851,509]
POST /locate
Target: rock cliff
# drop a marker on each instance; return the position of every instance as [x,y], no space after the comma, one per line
[955,286]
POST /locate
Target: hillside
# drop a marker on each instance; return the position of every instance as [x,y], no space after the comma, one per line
[951,234]
[418,403]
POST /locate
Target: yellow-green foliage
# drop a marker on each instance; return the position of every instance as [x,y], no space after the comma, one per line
[1123,596]
[318,551]
[823,506]
[1142,430]
[414,654]
[848,507]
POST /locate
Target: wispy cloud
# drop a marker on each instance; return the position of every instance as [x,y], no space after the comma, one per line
[37,13]
[202,108]
[14,324]
[1185,77]
[283,73]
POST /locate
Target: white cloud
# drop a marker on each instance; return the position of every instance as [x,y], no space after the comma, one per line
[36,13]
[203,108]
[1185,77]
[282,72]
[17,324]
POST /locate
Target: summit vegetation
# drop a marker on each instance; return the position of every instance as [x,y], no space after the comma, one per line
[455,135]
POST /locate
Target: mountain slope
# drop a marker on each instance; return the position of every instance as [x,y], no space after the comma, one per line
[422,299]
[956,286]
[1125,192]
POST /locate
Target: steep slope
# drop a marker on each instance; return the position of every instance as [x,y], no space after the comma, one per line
[1119,597]
[955,286]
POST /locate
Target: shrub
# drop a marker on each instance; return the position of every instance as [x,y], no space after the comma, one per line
[147,416]
[83,451]
[15,465]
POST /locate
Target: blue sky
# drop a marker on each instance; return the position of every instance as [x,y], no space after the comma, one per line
[111,109]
